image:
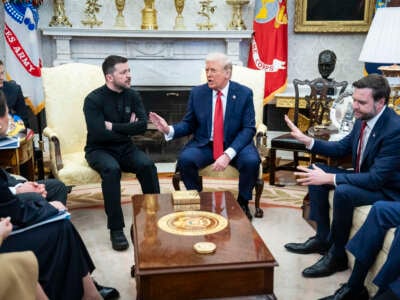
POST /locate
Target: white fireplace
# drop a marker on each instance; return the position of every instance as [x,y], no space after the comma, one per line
[165,65]
[157,58]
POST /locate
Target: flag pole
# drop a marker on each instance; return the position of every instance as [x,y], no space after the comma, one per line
[39,151]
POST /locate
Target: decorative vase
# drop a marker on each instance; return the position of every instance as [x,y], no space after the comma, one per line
[206,10]
[179,22]
[119,19]
[59,18]
[92,8]
[149,15]
[237,21]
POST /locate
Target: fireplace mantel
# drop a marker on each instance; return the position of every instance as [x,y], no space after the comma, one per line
[158,57]
[149,34]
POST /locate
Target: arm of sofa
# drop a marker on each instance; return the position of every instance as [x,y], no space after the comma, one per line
[261,142]
[261,132]
[55,150]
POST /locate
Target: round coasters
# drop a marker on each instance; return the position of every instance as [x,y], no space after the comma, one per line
[204,247]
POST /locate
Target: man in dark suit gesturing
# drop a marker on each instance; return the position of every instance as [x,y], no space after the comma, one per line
[374,144]
[224,141]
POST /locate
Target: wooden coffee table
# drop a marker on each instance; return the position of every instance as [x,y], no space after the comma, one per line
[167,267]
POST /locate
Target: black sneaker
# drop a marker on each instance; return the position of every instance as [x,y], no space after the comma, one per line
[118,240]
[106,292]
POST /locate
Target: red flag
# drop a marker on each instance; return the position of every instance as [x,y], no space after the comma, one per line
[269,45]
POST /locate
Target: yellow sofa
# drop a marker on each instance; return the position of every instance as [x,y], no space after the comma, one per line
[359,217]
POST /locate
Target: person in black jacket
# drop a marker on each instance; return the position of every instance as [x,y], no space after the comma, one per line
[15,98]
[114,113]
[64,262]
[51,189]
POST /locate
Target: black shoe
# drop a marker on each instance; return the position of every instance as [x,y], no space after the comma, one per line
[312,245]
[326,266]
[118,240]
[347,293]
[244,205]
[106,292]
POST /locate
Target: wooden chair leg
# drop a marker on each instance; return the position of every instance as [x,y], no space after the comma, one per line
[295,159]
[272,167]
[201,182]
[259,189]
[176,178]
[133,266]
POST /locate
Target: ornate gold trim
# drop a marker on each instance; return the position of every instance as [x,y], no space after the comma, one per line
[288,102]
[303,25]
[192,223]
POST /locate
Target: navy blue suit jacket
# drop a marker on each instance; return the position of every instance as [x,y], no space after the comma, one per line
[15,100]
[239,120]
[380,167]
[23,212]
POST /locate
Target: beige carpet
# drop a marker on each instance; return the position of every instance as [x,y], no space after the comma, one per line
[91,196]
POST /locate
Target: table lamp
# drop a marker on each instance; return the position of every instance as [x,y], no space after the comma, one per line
[382,45]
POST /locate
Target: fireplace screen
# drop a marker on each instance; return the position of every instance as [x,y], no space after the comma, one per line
[170,103]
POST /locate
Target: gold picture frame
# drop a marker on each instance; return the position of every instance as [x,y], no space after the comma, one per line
[318,16]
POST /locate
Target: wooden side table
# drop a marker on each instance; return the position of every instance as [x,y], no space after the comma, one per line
[14,158]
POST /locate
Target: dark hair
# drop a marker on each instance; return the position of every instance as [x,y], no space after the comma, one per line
[110,62]
[3,104]
[1,63]
[379,85]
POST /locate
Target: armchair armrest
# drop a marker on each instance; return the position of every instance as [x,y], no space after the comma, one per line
[54,140]
[261,136]
[261,140]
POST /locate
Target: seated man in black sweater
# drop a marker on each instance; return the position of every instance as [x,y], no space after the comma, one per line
[114,113]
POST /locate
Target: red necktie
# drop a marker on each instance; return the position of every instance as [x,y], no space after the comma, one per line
[359,148]
[218,139]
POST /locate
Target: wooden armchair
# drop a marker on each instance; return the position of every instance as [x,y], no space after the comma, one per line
[318,104]
[65,88]
[254,79]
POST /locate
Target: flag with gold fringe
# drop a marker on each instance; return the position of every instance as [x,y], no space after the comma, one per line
[22,57]
[269,45]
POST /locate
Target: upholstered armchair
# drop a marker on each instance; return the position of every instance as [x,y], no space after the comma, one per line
[254,79]
[65,88]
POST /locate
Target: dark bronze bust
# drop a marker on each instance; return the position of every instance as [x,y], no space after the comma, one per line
[326,63]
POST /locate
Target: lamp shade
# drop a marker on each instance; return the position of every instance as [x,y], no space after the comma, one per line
[382,44]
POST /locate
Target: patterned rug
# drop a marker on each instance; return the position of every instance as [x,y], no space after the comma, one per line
[84,196]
